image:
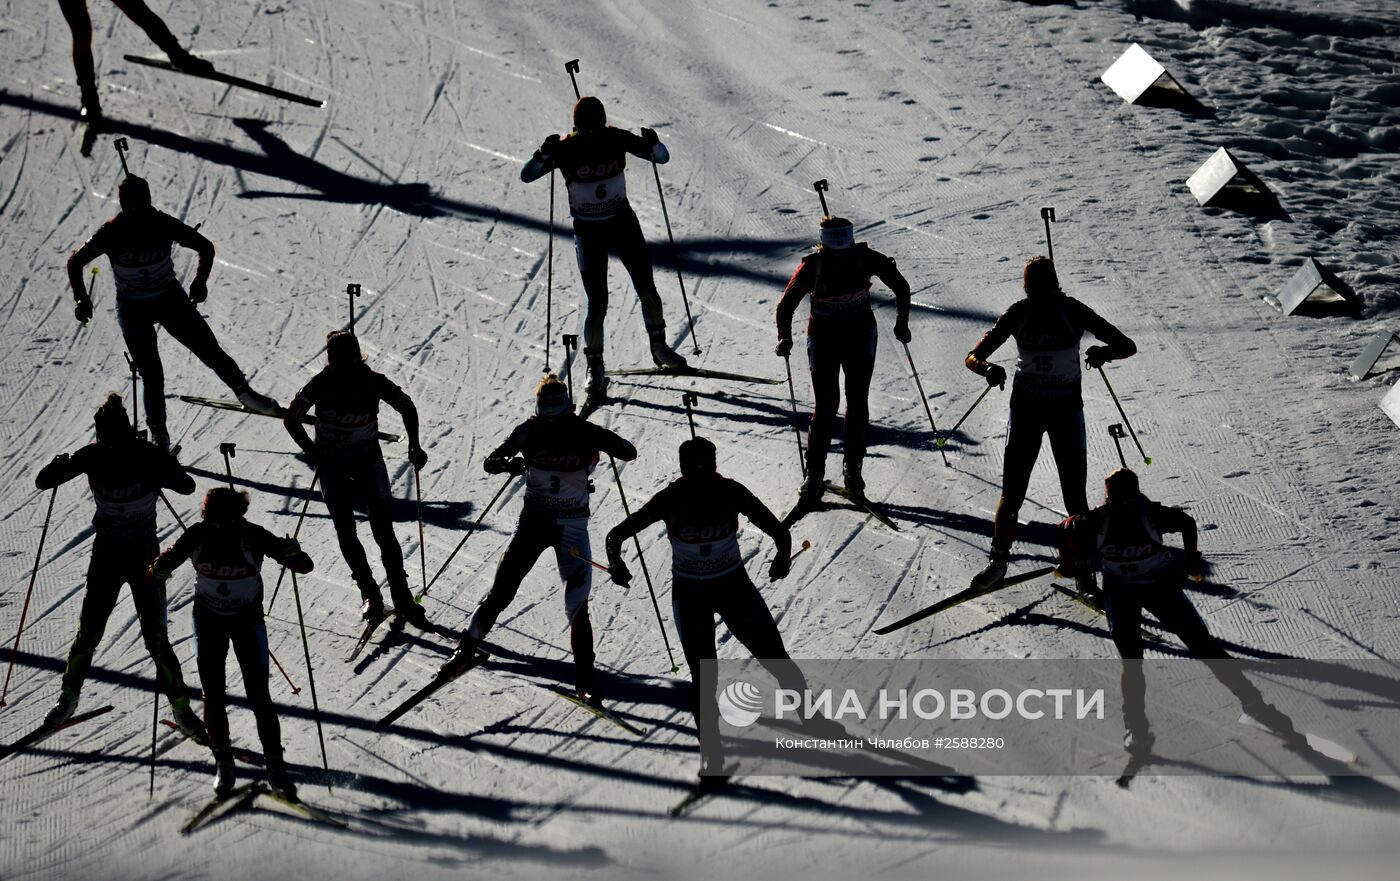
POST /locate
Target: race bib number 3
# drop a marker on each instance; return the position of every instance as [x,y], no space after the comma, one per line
[557,489]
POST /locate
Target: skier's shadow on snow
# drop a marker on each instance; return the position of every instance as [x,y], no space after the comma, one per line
[279,161]
[1034,532]
[444,515]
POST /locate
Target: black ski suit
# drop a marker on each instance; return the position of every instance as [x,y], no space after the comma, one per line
[1046,397]
[593,166]
[149,293]
[841,338]
[125,479]
[347,456]
[560,453]
[228,596]
[702,521]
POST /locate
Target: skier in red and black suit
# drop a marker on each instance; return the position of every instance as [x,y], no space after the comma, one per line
[556,451]
[841,337]
[227,553]
[138,242]
[1045,395]
[592,158]
[126,474]
[346,395]
[75,12]
[701,512]
[1122,539]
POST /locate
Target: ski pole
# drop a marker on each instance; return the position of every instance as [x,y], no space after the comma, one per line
[821,186]
[572,68]
[549,283]
[352,291]
[135,401]
[470,530]
[1048,215]
[570,341]
[155,725]
[1146,459]
[954,430]
[92,283]
[228,451]
[422,548]
[283,670]
[796,426]
[676,259]
[176,514]
[311,678]
[1115,431]
[689,398]
[121,146]
[645,574]
[578,552]
[24,613]
[315,476]
[922,397]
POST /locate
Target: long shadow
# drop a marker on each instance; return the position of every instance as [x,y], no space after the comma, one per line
[445,515]
[1035,532]
[279,161]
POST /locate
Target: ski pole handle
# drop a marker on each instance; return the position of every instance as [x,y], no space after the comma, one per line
[689,399]
[121,147]
[821,187]
[578,552]
[1047,214]
[572,68]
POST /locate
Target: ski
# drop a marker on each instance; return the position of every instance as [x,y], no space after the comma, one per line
[703,788]
[1090,603]
[427,691]
[1315,743]
[246,756]
[309,812]
[370,627]
[863,503]
[43,732]
[240,797]
[601,712]
[696,373]
[222,404]
[1136,762]
[960,597]
[228,79]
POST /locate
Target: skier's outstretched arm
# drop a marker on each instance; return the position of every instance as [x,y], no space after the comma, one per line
[646,146]
[760,515]
[191,238]
[62,469]
[800,285]
[654,511]
[611,443]
[170,559]
[298,408]
[172,474]
[1116,344]
[542,162]
[286,551]
[503,459]
[1000,332]
[887,272]
[397,398]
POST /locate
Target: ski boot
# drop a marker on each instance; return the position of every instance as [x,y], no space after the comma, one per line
[91,111]
[662,354]
[191,725]
[254,401]
[404,604]
[1274,719]
[278,779]
[371,605]
[1139,742]
[62,710]
[995,571]
[855,482]
[160,436]
[595,394]
[464,657]
[225,775]
[812,487]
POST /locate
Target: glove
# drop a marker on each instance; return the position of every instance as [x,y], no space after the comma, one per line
[780,567]
[649,135]
[505,465]
[996,375]
[1096,357]
[83,310]
[547,149]
[620,573]
[417,457]
[901,331]
[784,347]
[199,291]
[156,576]
[1195,566]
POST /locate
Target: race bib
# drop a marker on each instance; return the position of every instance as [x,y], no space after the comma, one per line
[1048,370]
[119,509]
[597,199]
[345,429]
[227,594]
[840,304]
[705,559]
[140,275]
[557,490]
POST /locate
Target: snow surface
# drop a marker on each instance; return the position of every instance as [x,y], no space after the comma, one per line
[943,127]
